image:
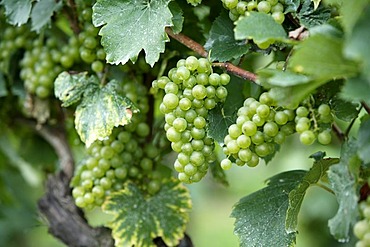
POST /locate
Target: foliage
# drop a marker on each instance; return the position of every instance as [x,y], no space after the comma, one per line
[122,87]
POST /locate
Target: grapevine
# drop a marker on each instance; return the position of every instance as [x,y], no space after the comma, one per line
[114,109]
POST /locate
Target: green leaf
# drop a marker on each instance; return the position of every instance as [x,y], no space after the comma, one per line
[100,111]
[356,89]
[222,116]
[357,44]
[177,19]
[321,57]
[259,27]
[310,16]
[291,6]
[351,12]
[17,11]
[130,26]
[218,173]
[343,178]
[273,77]
[260,217]
[69,88]
[221,42]
[343,109]
[140,218]
[296,196]
[42,12]
[364,141]
[290,97]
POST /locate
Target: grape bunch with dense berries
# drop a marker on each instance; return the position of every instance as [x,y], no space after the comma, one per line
[191,91]
[362,228]
[239,8]
[261,126]
[126,155]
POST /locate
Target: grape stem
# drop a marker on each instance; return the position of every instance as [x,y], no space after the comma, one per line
[198,48]
[325,188]
[366,107]
[338,132]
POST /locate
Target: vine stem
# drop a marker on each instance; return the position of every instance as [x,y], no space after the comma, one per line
[198,48]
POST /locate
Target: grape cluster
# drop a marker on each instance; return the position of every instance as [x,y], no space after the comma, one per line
[259,127]
[13,39]
[312,124]
[125,155]
[362,228]
[238,8]
[91,51]
[40,66]
[262,125]
[191,90]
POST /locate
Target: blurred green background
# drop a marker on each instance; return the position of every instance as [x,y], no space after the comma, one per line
[210,224]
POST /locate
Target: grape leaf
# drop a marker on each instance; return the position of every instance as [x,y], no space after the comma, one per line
[221,42]
[218,173]
[100,111]
[222,116]
[357,44]
[69,88]
[272,77]
[321,57]
[129,26]
[343,178]
[290,97]
[310,16]
[177,19]
[364,141]
[351,12]
[296,196]
[42,12]
[291,6]
[259,27]
[139,218]
[356,88]
[17,11]
[260,216]
[343,109]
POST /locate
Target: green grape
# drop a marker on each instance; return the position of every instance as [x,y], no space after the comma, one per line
[278,16]
[230,4]
[324,137]
[324,110]
[263,111]
[226,164]
[171,101]
[264,6]
[234,131]
[249,128]
[262,150]
[307,137]
[302,111]
[271,129]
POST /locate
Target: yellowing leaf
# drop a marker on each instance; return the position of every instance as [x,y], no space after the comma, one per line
[139,218]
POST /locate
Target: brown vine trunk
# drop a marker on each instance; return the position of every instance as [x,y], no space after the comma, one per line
[66,221]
